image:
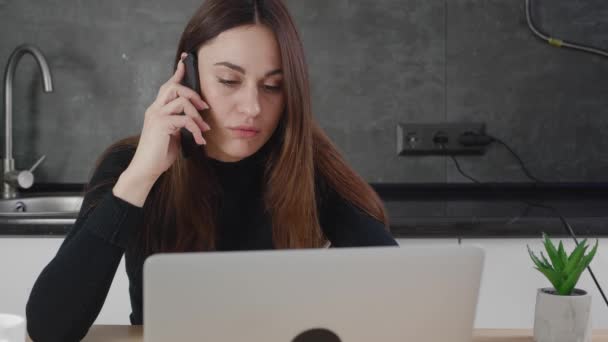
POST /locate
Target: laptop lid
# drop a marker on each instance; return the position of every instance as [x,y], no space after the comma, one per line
[420,293]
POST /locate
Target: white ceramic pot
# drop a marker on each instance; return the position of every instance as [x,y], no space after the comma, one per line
[562,318]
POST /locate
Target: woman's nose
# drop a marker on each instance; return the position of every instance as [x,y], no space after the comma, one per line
[250,104]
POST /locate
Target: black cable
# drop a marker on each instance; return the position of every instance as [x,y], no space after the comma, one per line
[526,208]
[521,162]
[482,139]
[555,212]
[462,172]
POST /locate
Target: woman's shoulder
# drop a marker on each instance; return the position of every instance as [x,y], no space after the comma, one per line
[332,203]
[113,160]
[322,189]
[327,197]
[116,157]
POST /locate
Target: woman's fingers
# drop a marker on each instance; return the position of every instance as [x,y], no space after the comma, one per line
[174,123]
[182,105]
[178,75]
[173,91]
[201,123]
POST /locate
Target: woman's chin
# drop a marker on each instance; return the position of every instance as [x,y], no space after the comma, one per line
[237,152]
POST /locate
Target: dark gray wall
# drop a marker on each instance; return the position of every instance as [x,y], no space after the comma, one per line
[372,63]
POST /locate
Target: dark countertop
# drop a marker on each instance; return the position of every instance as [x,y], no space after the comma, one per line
[496,210]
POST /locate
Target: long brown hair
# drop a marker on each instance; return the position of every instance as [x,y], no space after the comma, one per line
[179,212]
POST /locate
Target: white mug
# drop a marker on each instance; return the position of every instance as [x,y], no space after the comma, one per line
[12,328]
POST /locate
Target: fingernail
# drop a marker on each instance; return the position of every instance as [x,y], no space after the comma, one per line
[183,55]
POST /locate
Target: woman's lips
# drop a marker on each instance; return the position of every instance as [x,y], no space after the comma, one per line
[244,133]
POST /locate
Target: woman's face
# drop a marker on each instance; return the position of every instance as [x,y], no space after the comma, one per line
[241,81]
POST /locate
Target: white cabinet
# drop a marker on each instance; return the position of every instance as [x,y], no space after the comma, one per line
[21,260]
[427,241]
[506,298]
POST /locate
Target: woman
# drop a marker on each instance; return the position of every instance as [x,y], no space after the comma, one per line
[263,176]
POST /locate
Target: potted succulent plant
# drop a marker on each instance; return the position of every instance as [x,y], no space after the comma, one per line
[562,312]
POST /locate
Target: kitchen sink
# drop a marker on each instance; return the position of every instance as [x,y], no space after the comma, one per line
[41,209]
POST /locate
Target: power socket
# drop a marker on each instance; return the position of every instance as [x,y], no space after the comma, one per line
[437,139]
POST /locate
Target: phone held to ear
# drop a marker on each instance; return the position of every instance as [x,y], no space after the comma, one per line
[190,80]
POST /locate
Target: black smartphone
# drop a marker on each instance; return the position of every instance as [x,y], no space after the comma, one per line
[191,81]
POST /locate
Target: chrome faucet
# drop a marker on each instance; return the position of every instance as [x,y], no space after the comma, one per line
[12,178]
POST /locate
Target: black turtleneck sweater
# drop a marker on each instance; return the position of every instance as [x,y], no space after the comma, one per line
[70,291]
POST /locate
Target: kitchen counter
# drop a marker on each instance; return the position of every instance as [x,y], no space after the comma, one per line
[445,210]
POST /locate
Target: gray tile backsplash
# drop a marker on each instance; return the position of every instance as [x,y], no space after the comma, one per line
[372,64]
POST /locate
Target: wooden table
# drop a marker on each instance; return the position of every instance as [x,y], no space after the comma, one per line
[128,333]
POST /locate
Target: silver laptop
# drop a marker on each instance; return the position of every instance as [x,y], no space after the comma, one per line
[420,293]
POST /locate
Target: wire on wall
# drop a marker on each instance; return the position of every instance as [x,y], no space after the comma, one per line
[559,42]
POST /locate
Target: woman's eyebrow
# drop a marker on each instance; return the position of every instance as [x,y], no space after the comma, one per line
[242,71]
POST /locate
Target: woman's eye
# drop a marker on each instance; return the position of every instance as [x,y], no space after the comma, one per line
[228,82]
[273,88]
[231,84]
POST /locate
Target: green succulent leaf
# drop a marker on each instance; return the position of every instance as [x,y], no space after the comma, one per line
[553,276]
[576,256]
[568,285]
[546,261]
[581,245]
[552,252]
[561,253]
[536,260]
[572,278]
[587,258]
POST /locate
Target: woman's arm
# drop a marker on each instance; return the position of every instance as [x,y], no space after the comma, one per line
[345,225]
[70,291]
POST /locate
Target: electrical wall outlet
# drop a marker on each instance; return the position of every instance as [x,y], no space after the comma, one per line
[437,139]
